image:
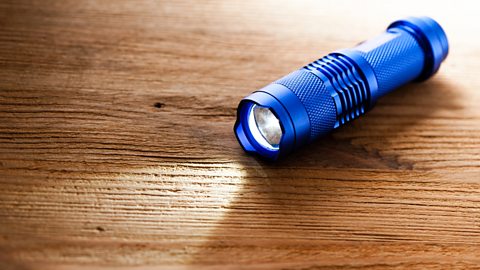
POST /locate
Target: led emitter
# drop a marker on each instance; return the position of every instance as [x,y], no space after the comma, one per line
[338,88]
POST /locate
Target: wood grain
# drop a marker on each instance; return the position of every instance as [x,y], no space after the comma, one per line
[117,150]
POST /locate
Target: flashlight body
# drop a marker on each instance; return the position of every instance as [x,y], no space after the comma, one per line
[343,85]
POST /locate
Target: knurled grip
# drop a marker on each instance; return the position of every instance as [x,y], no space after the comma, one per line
[313,94]
[396,58]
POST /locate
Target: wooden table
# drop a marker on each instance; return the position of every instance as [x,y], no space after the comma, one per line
[117,146]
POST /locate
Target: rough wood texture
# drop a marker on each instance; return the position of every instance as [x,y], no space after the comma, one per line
[117,146]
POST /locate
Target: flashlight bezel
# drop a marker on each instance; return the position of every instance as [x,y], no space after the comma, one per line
[243,130]
[259,147]
[290,112]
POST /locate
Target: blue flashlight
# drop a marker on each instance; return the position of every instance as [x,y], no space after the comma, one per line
[338,88]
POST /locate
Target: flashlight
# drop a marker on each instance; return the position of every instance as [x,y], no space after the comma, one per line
[331,91]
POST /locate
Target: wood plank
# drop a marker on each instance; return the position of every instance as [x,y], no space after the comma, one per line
[117,149]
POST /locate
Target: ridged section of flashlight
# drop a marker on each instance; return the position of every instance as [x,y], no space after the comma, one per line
[347,82]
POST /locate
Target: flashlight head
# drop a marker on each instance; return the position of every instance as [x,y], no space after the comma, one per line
[271,122]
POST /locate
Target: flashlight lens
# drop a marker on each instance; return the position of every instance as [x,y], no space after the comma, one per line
[265,127]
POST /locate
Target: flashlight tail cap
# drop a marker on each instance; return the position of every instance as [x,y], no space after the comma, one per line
[431,37]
